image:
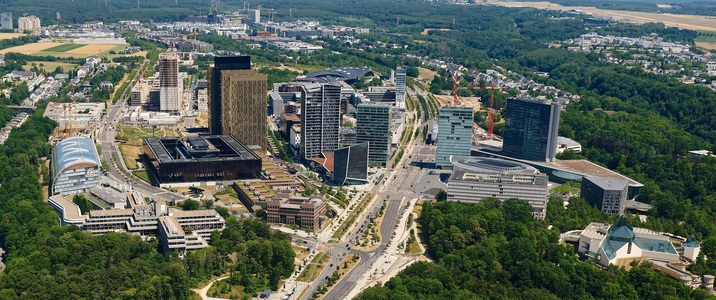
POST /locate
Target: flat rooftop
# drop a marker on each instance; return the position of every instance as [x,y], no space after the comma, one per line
[221,148]
[587,168]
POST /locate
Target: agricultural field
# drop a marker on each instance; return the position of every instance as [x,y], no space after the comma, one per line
[50,66]
[64,48]
[7,35]
[30,48]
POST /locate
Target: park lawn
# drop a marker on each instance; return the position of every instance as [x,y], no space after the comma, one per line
[223,289]
[131,155]
[314,268]
[143,175]
[50,66]
[64,48]
[134,136]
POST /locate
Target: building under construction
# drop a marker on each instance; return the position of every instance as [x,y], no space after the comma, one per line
[74,118]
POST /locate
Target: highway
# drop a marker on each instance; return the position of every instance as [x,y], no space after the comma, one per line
[105,136]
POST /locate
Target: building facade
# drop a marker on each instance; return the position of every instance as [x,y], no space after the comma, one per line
[6,20]
[302,211]
[75,166]
[320,119]
[221,63]
[455,138]
[169,82]
[400,81]
[476,178]
[373,124]
[28,23]
[350,164]
[197,159]
[607,194]
[243,106]
[531,128]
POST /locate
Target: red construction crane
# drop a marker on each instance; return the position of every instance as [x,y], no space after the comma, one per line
[491,115]
[454,91]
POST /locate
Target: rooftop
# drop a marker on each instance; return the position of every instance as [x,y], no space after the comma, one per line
[202,148]
[489,165]
[607,183]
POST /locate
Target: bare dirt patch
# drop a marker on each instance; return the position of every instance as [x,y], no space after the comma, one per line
[427,30]
[426,74]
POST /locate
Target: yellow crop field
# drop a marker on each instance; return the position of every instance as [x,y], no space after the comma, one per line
[91,49]
[30,48]
[8,35]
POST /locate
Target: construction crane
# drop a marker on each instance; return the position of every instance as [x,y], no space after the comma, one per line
[491,115]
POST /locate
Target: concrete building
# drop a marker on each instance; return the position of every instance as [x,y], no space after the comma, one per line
[320,119]
[607,194]
[136,95]
[28,23]
[169,82]
[350,164]
[455,138]
[176,230]
[202,100]
[243,106]
[531,128]
[373,126]
[79,116]
[200,159]
[75,166]
[277,103]
[476,178]
[400,81]
[254,16]
[221,63]
[302,211]
[6,20]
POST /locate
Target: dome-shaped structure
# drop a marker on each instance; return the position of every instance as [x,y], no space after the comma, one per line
[75,166]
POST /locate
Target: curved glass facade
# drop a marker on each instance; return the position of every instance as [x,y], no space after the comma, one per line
[75,166]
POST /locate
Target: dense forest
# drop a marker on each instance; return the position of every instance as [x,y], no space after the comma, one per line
[497,250]
[48,261]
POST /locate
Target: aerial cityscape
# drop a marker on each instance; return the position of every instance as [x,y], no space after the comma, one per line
[357,149]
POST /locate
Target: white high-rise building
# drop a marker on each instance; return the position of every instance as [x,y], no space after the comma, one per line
[400,78]
[169,82]
[28,23]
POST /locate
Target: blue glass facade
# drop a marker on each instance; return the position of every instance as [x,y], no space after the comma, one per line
[531,129]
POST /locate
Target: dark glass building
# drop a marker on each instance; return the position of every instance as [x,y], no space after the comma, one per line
[221,63]
[350,165]
[202,158]
[531,128]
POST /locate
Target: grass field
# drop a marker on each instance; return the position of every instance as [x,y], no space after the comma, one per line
[64,48]
[222,289]
[130,154]
[134,136]
[143,175]
[314,268]
[50,66]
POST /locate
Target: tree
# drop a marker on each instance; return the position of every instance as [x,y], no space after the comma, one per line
[190,204]
[412,72]
[441,195]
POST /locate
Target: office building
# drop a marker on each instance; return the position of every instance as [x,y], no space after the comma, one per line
[607,194]
[302,211]
[455,138]
[320,119]
[176,230]
[198,159]
[373,126]
[75,166]
[6,20]
[531,128]
[400,78]
[221,63]
[28,23]
[169,82]
[476,178]
[254,16]
[350,164]
[243,106]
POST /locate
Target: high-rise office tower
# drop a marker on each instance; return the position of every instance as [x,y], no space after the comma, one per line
[454,134]
[243,106]
[531,128]
[221,63]
[320,119]
[373,126]
[6,20]
[400,78]
[169,82]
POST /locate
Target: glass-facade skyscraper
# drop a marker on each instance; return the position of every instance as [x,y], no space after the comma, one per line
[373,126]
[531,129]
[320,119]
[454,134]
